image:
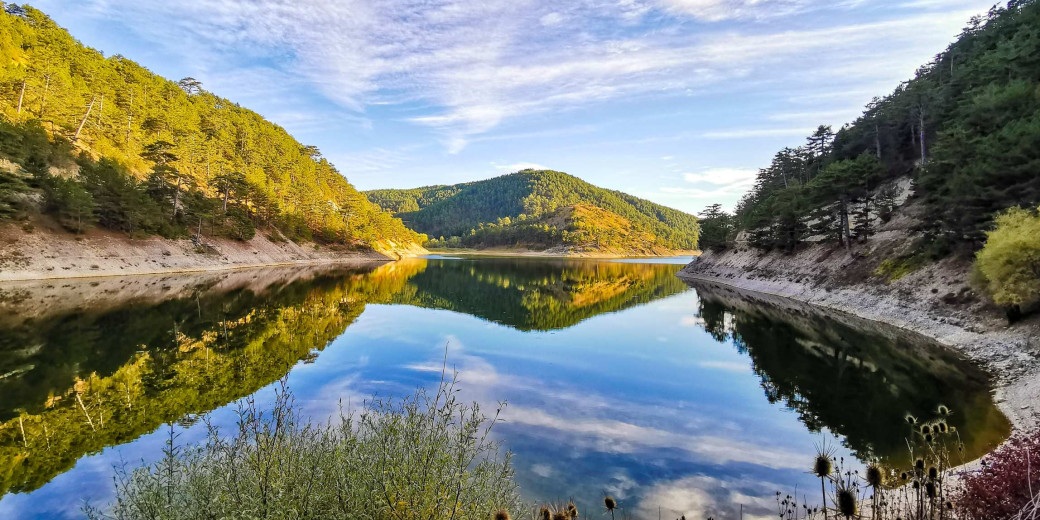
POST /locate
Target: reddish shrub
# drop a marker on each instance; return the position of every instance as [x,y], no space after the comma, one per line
[1001,488]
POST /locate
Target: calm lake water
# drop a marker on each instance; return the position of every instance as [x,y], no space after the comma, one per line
[619,377]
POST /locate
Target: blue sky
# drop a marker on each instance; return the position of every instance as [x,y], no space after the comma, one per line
[676,101]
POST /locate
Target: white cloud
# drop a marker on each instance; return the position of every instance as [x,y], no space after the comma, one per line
[703,497]
[723,176]
[615,436]
[719,10]
[463,68]
[726,366]
[752,133]
[515,167]
[552,19]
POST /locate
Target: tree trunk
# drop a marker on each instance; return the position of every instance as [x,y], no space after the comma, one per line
[176,197]
[84,121]
[920,129]
[845,223]
[21,97]
[877,140]
[43,98]
[129,117]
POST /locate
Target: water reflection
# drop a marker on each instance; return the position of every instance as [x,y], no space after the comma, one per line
[853,377]
[535,294]
[82,378]
[618,378]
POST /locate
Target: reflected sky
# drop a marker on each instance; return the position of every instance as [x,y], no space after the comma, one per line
[640,403]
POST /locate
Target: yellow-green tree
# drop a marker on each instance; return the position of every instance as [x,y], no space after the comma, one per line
[1009,264]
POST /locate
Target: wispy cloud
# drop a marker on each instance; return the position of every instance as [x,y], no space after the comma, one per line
[466,67]
[722,176]
[719,10]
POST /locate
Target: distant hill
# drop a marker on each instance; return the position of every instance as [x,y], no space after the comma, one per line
[540,209]
[96,140]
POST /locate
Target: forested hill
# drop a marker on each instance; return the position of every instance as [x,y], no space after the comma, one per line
[966,129]
[108,143]
[540,209]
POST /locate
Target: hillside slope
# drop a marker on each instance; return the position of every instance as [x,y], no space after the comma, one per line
[881,218]
[966,128]
[97,140]
[540,209]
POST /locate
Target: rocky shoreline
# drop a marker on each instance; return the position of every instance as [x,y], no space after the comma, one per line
[933,301]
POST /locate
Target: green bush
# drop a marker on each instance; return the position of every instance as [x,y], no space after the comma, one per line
[425,456]
[69,201]
[1009,264]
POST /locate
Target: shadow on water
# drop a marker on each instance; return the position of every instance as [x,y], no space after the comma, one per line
[855,377]
[86,364]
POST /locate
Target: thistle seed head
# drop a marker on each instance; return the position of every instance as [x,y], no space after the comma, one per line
[609,502]
[847,505]
[501,514]
[875,477]
[823,465]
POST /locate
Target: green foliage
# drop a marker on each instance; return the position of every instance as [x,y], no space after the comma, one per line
[70,201]
[540,209]
[203,161]
[967,126]
[13,189]
[426,456]
[1009,263]
[716,228]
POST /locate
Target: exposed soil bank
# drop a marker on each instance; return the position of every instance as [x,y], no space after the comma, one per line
[52,253]
[935,301]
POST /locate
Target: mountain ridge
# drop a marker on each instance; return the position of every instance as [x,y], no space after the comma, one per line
[540,209]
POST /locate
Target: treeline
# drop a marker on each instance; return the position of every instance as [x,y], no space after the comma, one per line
[966,128]
[143,154]
[535,208]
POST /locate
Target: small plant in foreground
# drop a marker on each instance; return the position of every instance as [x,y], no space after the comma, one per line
[424,456]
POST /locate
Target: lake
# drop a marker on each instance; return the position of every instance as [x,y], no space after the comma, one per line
[619,377]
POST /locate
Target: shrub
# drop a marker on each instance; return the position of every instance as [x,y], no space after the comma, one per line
[1009,264]
[1008,481]
[425,456]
